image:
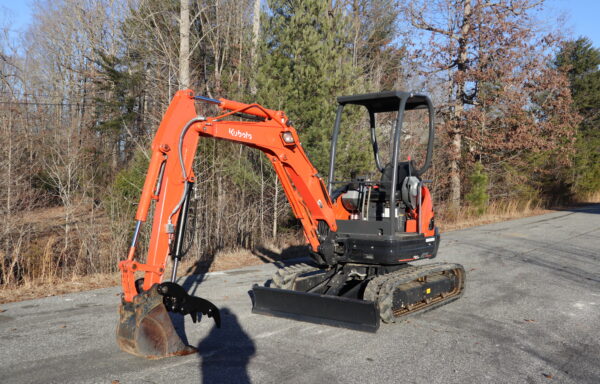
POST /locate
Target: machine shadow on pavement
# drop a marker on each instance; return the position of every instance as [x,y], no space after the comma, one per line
[190,284]
[226,352]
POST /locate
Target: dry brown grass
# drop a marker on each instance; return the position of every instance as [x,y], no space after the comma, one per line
[223,260]
[45,254]
[591,198]
[496,212]
[239,258]
[47,288]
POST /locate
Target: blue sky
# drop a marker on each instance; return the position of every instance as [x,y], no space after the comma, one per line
[582,16]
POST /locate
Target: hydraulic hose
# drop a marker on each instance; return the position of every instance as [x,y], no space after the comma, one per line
[183,171]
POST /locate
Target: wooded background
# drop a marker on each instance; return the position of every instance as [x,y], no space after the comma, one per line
[84,89]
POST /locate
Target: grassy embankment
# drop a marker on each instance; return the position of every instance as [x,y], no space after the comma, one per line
[231,259]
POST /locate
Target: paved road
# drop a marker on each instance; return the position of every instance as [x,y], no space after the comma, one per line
[531,314]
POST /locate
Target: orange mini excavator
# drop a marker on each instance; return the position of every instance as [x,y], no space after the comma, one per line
[362,233]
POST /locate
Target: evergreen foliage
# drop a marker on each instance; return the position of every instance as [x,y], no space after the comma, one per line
[478,196]
[305,63]
[128,183]
[581,61]
[119,88]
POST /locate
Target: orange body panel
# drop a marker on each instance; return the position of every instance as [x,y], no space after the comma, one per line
[426,216]
[303,187]
[411,225]
[341,213]
[426,212]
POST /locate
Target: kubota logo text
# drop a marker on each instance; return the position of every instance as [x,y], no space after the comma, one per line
[238,133]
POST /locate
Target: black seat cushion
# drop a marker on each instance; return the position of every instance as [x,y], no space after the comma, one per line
[405,169]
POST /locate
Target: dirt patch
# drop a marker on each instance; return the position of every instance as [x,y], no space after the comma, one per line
[490,219]
[239,258]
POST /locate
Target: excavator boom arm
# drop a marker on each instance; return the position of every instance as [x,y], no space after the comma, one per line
[170,174]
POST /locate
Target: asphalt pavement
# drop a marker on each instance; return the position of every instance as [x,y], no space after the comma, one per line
[530,314]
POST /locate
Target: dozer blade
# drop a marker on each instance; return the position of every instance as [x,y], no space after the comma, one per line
[145,328]
[360,315]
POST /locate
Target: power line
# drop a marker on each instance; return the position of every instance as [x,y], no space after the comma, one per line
[33,94]
[35,103]
[51,97]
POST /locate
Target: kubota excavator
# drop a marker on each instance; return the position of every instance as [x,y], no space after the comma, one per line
[362,233]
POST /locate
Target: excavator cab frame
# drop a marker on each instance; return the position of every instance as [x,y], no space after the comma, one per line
[363,273]
[384,102]
[398,223]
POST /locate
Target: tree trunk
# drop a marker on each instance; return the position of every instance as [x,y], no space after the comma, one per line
[184,45]
[455,169]
[459,106]
[262,200]
[253,53]
[275,209]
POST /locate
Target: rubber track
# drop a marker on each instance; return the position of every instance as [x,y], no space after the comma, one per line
[380,289]
[373,290]
[284,277]
[386,290]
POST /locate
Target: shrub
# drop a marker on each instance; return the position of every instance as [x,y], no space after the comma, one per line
[478,197]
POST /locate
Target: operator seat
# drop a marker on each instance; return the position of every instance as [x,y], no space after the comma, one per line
[406,182]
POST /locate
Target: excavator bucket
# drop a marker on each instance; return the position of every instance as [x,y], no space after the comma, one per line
[360,315]
[145,328]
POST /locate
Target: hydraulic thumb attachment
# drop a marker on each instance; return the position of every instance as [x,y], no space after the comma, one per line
[176,299]
[145,328]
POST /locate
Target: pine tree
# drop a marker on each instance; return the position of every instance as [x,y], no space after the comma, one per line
[304,64]
[478,196]
[581,62]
